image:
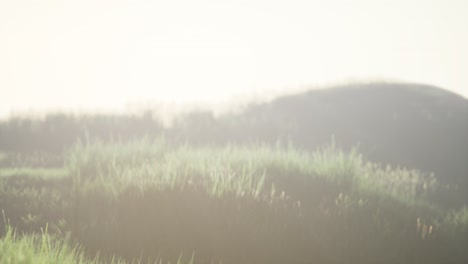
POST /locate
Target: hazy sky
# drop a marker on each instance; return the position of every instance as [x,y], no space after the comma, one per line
[104,54]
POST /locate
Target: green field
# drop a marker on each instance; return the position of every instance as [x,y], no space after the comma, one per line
[150,201]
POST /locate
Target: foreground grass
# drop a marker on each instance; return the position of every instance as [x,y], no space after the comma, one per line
[148,199]
[33,172]
[38,249]
[46,249]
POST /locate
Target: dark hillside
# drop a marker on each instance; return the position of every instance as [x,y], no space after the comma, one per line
[415,126]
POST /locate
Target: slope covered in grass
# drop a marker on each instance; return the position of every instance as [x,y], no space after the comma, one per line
[149,199]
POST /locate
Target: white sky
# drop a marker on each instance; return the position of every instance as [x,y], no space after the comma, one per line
[91,54]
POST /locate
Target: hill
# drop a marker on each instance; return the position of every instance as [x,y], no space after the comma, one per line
[416,126]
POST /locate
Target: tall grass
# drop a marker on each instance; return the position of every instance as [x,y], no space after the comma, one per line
[38,249]
[239,169]
[237,204]
[44,248]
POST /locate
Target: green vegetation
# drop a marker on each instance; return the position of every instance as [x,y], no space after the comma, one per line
[46,249]
[98,189]
[37,249]
[150,199]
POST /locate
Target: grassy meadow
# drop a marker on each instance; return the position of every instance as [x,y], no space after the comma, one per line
[149,200]
[360,173]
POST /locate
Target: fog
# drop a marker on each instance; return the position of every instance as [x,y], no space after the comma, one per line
[115,55]
[251,131]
